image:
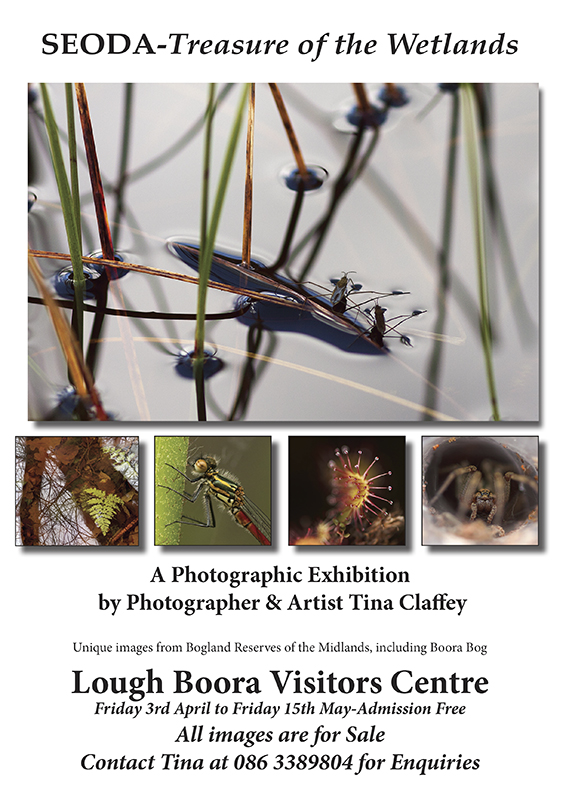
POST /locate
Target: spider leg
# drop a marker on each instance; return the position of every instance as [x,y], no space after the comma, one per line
[451,477]
[501,488]
[512,476]
[467,495]
[492,513]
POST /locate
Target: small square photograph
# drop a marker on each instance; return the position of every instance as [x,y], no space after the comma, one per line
[77,491]
[213,490]
[480,490]
[347,490]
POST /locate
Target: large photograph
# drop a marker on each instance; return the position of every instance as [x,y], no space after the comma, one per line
[293,252]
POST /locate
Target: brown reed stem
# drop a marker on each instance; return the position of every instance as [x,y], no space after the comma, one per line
[298,156]
[248,188]
[361,98]
[94,172]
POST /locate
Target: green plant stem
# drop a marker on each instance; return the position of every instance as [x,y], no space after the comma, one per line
[209,118]
[198,366]
[168,505]
[72,225]
[207,248]
[73,161]
[78,313]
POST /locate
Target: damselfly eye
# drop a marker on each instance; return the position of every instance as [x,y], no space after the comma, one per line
[200,465]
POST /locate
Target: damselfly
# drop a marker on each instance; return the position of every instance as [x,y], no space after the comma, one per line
[229,493]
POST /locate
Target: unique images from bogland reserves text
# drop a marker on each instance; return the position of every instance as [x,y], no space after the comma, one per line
[365,253]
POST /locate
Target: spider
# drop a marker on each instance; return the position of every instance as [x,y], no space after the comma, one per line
[472,478]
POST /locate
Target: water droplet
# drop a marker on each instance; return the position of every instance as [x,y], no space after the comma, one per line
[113,272]
[293,180]
[393,96]
[353,118]
[64,282]
[186,361]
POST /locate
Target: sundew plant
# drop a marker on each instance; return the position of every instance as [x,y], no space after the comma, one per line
[353,252]
[356,497]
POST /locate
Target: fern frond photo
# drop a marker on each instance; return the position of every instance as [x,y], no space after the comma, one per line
[77,491]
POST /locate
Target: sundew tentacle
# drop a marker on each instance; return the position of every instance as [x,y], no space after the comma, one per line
[354,494]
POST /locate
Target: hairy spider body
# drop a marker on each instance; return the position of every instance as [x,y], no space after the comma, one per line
[484,504]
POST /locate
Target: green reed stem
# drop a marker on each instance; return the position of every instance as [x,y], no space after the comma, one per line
[68,205]
[473,146]
[207,243]
[73,161]
[198,365]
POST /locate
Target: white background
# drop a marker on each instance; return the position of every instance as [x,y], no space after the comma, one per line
[515,604]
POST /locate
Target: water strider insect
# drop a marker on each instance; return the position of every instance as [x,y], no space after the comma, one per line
[343,287]
[229,493]
[480,488]
[381,327]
